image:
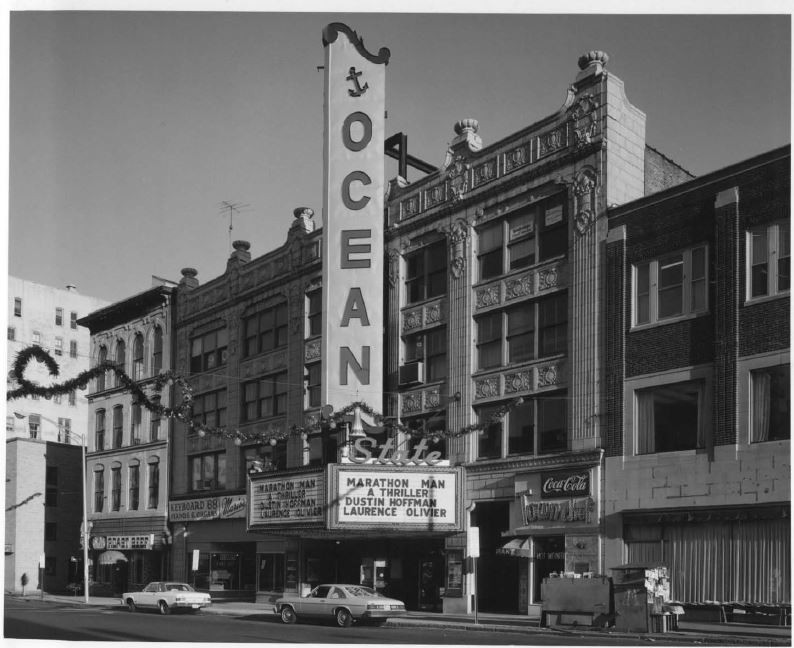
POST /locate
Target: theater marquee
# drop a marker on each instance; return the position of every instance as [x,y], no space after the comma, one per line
[352,343]
[411,499]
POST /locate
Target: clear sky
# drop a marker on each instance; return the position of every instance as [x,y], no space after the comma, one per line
[128,129]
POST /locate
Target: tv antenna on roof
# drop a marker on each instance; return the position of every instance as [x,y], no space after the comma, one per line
[228,208]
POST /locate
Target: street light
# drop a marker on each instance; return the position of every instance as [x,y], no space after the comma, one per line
[83,462]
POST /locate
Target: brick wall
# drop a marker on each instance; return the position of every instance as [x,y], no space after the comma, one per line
[661,172]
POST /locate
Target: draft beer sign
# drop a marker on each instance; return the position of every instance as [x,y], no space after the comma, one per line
[355,82]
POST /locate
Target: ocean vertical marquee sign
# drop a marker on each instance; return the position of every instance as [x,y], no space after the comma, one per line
[355,103]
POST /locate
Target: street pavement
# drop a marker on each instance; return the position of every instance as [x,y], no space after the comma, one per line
[733,634]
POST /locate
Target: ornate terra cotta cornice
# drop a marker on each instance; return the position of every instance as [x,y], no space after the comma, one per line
[566,459]
[331,31]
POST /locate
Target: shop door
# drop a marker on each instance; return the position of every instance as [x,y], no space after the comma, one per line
[497,576]
[430,583]
[549,557]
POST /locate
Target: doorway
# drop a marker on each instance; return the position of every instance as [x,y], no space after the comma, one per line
[549,557]
[497,576]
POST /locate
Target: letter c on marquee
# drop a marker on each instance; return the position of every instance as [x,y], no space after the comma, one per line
[363,178]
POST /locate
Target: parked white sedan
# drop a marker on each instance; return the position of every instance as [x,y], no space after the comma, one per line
[343,603]
[166,596]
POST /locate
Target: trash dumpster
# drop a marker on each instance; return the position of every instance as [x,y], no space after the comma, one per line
[641,594]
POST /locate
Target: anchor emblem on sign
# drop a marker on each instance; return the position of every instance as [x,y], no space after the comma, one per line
[359,90]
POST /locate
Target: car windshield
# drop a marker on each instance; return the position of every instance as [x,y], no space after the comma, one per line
[179,587]
[360,590]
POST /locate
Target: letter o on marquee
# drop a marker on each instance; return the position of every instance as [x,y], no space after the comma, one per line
[366,122]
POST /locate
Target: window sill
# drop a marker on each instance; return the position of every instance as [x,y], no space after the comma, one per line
[535,267]
[752,301]
[669,320]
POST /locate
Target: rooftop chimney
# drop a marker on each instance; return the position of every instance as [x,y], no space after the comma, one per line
[303,219]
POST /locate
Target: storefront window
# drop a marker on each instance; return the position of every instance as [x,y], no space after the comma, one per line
[271,572]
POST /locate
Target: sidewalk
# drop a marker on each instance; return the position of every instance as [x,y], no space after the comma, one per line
[734,634]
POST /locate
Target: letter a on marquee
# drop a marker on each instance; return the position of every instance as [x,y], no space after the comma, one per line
[353,188]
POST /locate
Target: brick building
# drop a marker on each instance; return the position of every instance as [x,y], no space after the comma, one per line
[128,456]
[697,434]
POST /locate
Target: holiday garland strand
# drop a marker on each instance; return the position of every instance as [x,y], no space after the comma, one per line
[183,411]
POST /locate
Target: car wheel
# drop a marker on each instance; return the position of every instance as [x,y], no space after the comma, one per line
[343,618]
[288,614]
[163,607]
[131,605]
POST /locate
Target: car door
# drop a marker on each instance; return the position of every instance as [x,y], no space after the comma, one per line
[147,598]
[316,603]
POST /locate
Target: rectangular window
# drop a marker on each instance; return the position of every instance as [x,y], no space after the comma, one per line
[771,403]
[154,485]
[34,425]
[157,351]
[59,346]
[669,417]
[265,397]
[50,563]
[12,333]
[134,487]
[490,256]
[99,491]
[64,430]
[265,458]
[209,350]
[266,331]
[37,337]
[535,426]
[430,348]
[271,572]
[314,310]
[72,348]
[51,497]
[426,272]
[118,426]
[50,531]
[324,447]
[670,287]
[210,408]
[768,260]
[313,378]
[115,486]
[73,398]
[208,472]
[536,329]
[532,234]
[17,307]
[59,317]
[73,320]
[10,426]
[489,340]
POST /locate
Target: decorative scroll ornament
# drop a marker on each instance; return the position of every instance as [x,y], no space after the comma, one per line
[584,187]
[458,233]
[394,267]
[458,176]
[585,124]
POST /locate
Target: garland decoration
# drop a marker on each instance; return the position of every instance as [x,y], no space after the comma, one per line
[183,410]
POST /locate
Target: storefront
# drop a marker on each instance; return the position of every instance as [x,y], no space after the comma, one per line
[379,525]
[553,529]
[123,561]
[213,551]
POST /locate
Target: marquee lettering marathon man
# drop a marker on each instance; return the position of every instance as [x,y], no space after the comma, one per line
[288,499]
[394,493]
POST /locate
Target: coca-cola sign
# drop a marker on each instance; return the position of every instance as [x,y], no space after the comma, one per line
[565,484]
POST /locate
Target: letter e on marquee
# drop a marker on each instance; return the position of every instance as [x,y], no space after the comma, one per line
[353,189]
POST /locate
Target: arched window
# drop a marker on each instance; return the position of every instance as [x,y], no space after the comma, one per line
[99,488]
[120,359]
[118,426]
[157,351]
[99,430]
[137,357]
[102,357]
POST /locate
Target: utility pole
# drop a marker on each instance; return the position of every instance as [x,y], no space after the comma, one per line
[229,208]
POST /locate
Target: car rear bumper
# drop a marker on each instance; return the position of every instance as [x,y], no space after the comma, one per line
[191,604]
[382,614]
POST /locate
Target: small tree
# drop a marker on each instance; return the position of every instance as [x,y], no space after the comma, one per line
[24,581]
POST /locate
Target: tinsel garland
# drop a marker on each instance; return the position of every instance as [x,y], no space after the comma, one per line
[183,411]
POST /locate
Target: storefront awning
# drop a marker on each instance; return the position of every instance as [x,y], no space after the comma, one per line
[111,557]
[518,547]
